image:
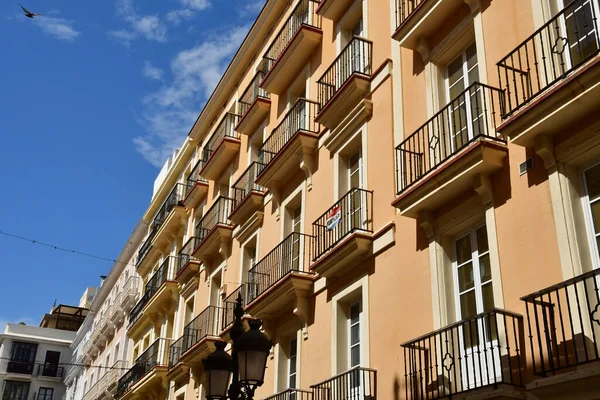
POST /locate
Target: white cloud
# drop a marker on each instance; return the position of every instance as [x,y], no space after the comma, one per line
[148,26]
[250,8]
[58,28]
[189,10]
[197,5]
[169,113]
[151,72]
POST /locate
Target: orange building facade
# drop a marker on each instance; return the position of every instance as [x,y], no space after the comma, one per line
[403,191]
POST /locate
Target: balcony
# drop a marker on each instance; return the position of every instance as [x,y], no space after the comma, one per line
[130,293]
[214,231]
[485,352]
[343,235]
[97,337]
[148,374]
[247,195]
[293,46]
[333,9]
[357,383]
[187,266]
[449,153]
[147,254]
[50,370]
[116,314]
[171,217]
[20,367]
[418,20]
[228,307]
[291,394]
[105,387]
[160,293]
[564,322]
[254,106]
[551,79]
[290,146]
[345,83]
[107,328]
[198,339]
[197,187]
[221,147]
[281,280]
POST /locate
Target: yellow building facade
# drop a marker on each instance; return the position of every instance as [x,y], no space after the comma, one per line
[404,191]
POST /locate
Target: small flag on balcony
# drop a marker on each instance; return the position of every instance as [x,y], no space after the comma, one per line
[334,217]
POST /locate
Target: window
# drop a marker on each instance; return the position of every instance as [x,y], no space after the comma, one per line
[51,363]
[292,367]
[45,394]
[106,363]
[22,357]
[579,27]
[116,353]
[465,109]
[354,332]
[592,208]
[14,390]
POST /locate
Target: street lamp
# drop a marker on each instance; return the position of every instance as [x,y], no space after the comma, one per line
[247,362]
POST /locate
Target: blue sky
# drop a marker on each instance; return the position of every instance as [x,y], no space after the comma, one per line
[93,98]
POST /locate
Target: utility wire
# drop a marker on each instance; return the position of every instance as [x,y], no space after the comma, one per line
[65,363]
[55,247]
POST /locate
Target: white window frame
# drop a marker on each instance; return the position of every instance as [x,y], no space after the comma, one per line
[589,220]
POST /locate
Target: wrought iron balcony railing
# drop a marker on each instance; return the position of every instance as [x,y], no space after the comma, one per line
[174,198]
[229,305]
[20,367]
[355,58]
[352,213]
[205,324]
[559,47]
[405,8]
[564,324]
[303,14]
[225,129]
[300,118]
[245,183]
[154,356]
[195,176]
[473,114]
[146,246]
[291,394]
[486,349]
[253,92]
[217,214]
[357,383]
[185,254]
[164,273]
[291,255]
[50,370]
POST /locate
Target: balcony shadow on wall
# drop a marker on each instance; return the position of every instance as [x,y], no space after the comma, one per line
[538,174]
[418,64]
[335,285]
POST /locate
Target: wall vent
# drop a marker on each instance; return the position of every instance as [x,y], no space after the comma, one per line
[525,166]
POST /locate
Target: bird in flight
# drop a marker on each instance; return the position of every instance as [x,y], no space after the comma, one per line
[29,14]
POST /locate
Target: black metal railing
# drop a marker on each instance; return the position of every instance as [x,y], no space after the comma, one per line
[355,58]
[216,215]
[559,47]
[146,246]
[245,183]
[352,213]
[164,273]
[357,383]
[564,324]
[252,92]
[185,254]
[404,9]
[175,352]
[225,129]
[486,349]
[229,305]
[303,14]
[205,324]
[20,367]
[300,118]
[195,176]
[473,114]
[175,198]
[291,255]
[154,356]
[51,370]
[291,394]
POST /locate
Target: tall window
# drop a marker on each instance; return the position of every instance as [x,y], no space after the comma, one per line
[592,208]
[293,372]
[296,228]
[465,108]
[116,353]
[45,394]
[473,281]
[578,37]
[354,331]
[14,390]
[22,357]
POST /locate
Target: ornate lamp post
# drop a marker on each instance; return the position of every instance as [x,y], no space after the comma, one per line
[247,362]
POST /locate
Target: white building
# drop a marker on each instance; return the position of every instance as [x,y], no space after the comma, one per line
[32,362]
[74,381]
